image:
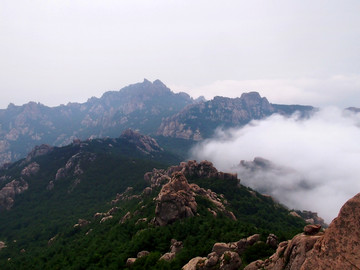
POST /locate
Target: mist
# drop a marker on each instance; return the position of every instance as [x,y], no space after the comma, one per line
[314,162]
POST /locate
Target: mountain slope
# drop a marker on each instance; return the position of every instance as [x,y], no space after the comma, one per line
[201,207]
[199,121]
[61,184]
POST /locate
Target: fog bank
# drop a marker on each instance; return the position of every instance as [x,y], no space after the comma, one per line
[316,160]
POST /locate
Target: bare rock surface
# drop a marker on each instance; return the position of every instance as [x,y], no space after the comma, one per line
[175,201]
[144,143]
[204,169]
[225,255]
[336,248]
[10,190]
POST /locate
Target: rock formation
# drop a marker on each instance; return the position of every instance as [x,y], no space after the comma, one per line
[175,248]
[226,255]
[336,248]
[175,201]
[10,190]
[190,169]
[2,245]
[144,143]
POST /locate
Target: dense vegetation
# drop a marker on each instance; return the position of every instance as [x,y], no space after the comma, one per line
[39,215]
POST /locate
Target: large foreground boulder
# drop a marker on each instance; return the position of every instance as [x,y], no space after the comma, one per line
[337,248]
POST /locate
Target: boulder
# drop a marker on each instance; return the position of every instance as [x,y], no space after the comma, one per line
[336,248]
[194,264]
[175,248]
[272,241]
[339,248]
[130,261]
[142,254]
[230,261]
[312,229]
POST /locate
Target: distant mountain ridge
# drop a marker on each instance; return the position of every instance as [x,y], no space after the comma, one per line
[140,106]
[198,121]
[149,107]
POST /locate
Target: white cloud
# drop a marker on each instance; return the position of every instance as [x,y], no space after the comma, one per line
[323,153]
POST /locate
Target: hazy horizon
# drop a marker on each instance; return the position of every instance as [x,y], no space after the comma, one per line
[55,52]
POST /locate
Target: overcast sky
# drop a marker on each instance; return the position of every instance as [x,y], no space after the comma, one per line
[304,52]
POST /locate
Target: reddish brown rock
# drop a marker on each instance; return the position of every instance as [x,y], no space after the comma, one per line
[175,201]
[339,248]
[230,261]
[312,229]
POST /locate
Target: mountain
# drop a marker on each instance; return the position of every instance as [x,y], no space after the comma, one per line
[199,121]
[106,204]
[140,106]
[149,107]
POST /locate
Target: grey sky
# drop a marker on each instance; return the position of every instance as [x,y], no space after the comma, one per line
[290,51]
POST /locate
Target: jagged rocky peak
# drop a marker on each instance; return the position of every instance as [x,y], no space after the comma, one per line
[176,199]
[144,143]
[204,169]
[336,248]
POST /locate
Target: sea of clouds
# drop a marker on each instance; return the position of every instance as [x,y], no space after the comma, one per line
[316,160]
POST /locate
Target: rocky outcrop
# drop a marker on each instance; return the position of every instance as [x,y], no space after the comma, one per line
[175,248]
[312,218]
[82,223]
[190,169]
[9,191]
[125,196]
[224,256]
[175,201]
[339,248]
[39,151]
[336,248]
[72,166]
[144,143]
[30,170]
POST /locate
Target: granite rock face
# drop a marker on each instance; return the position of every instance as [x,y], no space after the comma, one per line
[336,248]
[175,201]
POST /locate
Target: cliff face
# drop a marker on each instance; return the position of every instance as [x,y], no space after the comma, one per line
[336,248]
